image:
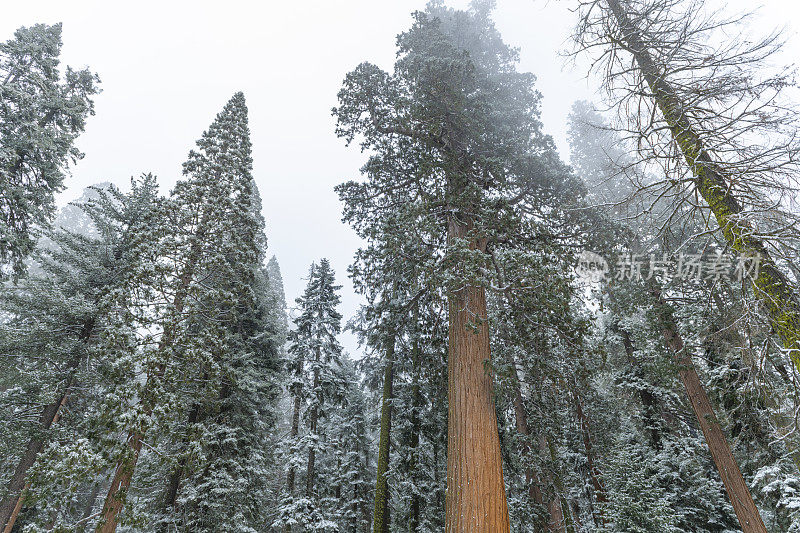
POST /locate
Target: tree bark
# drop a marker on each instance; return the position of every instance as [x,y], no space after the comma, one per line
[117,492]
[770,285]
[476,496]
[381,518]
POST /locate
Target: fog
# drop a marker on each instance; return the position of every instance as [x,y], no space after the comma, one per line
[168,67]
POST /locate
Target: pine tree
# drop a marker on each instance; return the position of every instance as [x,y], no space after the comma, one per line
[351,470]
[43,114]
[67,328]
[317,387]
[216,334]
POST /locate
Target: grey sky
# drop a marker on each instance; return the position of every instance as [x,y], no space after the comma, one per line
[168,67]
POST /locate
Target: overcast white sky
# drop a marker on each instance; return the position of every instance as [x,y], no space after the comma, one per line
[168,67]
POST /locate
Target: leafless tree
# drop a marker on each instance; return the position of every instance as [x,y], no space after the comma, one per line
[707,110]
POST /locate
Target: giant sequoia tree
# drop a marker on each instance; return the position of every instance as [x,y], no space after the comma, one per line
[459,154]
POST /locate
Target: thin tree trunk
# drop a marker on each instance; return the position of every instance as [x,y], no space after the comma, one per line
[356,495]
[297,389]
[416,404]
[174,482]
[556,523]
[521,421]
[770,285]
[290,476]
[533,481]
[87,512]
[649,401]
[476,496]
[568,525]
[738,492]
[12,504]
[436,478]
[338,492]
[381,518]
[365,507]
[594,473]
[313,418]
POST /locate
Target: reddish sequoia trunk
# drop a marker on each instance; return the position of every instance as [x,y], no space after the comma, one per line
[119,485]
[738,492]
[476,496]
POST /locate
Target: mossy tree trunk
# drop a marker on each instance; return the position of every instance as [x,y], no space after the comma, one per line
[381,516]
[770,285]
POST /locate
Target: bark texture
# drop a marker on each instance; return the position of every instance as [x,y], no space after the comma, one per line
[381,517]
[476,496]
